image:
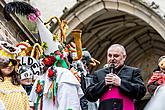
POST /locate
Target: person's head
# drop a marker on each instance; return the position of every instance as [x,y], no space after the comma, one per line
[8,62]
[116,54]
[161,63]
[8,70]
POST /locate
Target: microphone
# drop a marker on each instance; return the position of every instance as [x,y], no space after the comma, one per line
[112,68]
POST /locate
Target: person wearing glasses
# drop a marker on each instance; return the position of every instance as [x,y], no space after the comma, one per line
[12,94]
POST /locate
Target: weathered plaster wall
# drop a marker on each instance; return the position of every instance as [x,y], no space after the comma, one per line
[7,30]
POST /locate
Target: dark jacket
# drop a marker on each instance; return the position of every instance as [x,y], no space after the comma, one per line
[132,84]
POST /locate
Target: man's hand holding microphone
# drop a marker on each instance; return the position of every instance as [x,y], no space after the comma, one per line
[111,78]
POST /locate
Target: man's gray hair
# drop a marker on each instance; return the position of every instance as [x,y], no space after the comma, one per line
[119,46]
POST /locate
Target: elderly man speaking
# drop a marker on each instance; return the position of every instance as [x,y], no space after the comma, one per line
[117,85]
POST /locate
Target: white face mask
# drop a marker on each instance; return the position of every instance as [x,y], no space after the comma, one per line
[25,73]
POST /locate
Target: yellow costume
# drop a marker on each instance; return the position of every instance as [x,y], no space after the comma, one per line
[13,97]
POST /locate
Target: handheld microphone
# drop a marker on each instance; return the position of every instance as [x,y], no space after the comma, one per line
[112,68]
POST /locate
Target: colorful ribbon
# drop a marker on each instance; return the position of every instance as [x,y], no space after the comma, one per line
[39,91]
[62,61]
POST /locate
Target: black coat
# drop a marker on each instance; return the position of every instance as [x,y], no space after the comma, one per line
[132,84]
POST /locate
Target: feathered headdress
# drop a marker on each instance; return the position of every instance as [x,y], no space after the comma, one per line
[21,8]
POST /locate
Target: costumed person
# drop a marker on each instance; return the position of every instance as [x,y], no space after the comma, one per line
[118,85]
[86,78]
[57,88]
[89,61]
[158,76]
[29,66]
[24,69]
[79,62]
[29,69]
[12,94]
[76,65]
[80,69]
[32,14]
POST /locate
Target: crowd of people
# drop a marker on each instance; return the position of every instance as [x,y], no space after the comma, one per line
[56,76]
[57,87]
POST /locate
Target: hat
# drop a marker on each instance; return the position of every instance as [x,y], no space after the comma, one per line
[24,47]
[7,50]
[47,37]
[7,53]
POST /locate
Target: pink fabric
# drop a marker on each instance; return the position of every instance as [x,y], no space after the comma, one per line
[128,104]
